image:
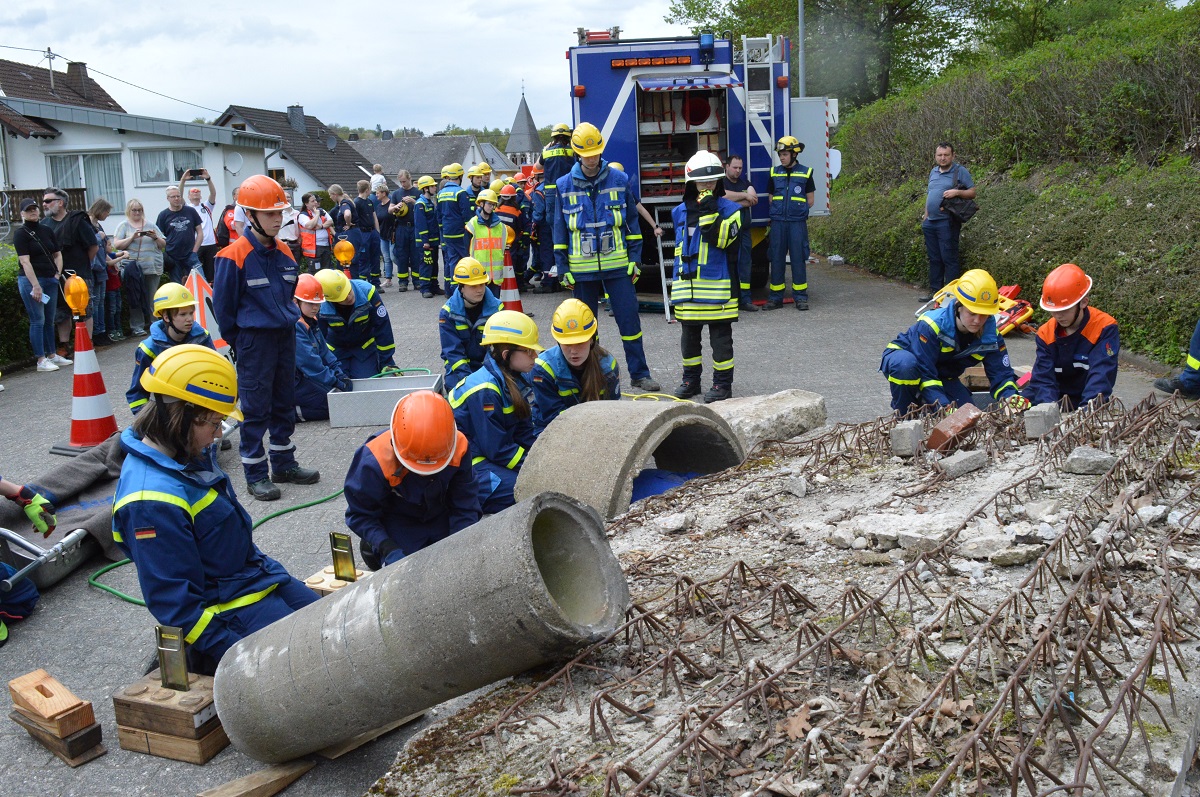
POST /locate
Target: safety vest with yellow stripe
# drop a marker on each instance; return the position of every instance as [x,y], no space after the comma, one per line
[191,542]
[789,192]
[596,229]
[702,290]
[488,243]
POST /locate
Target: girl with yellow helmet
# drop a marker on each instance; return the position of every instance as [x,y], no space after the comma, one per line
[176,514]
[175,308]
[578,369]
[462,319]
[492,407]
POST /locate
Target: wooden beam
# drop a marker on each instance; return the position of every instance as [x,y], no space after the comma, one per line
[263,783]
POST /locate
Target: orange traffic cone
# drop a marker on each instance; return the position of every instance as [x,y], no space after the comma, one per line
[205,317]
[92,419]
[510,295]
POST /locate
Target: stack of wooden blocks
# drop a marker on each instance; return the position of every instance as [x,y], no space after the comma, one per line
[169,723]
[323,582]
[60,721]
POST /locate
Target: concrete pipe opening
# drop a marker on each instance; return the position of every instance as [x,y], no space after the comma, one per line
[571,567]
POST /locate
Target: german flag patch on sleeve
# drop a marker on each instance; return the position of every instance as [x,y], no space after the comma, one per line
[145,533]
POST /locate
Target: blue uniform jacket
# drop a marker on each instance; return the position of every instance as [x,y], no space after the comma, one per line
[398,512]
[363,343]
[1190,376]
[155,344]
[556,386]
[935,342]
[454,208]
[425,222]
[253,287]
[595,208]
[462,351]
[557,160]
[1082,365]
[317,367]
[788,190]
[191,542]
[485,414]
[539,210]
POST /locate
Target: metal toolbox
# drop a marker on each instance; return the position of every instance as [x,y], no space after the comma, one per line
[372,400]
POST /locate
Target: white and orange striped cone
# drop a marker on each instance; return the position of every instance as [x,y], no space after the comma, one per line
[205,316]
[92,418]
[510,295]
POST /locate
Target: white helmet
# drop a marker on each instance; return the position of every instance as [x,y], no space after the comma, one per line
[703,166]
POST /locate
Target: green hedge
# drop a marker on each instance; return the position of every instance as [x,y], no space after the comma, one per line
[1135,229]
[14,323]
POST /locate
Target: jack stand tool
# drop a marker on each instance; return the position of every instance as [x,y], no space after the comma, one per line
[172,657]
[343,572]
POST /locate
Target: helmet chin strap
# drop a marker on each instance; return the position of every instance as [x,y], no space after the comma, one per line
[171,323]
[253,214]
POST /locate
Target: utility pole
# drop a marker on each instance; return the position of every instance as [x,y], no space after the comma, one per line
[800,51]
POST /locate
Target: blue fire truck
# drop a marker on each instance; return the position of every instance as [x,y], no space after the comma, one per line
[658,101]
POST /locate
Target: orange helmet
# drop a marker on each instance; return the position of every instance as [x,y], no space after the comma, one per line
[537,169]
[519,177]
[309,290]
[343,251]
[508,190]
[261,193]
[424,436]
[1065,287]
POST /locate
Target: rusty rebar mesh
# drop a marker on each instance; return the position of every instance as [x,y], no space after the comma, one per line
[743,683]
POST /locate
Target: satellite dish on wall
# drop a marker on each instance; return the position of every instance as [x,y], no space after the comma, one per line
[331,142]
[233,162]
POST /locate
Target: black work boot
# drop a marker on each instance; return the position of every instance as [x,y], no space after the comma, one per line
[691,382]
[722,387]
[297,475]
[263,490]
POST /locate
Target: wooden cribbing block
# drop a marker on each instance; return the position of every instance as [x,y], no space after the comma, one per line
[323,583]
[193,751]
[76,749]
[63,725]
[263,783]
[40,694]
[148,706]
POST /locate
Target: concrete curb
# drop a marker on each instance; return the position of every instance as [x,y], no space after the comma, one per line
[593,450]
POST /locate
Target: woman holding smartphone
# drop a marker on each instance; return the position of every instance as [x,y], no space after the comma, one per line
[37,281]
[144,267]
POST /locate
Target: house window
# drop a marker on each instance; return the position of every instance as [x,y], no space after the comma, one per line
[99,173]
[276,175]
[165,166]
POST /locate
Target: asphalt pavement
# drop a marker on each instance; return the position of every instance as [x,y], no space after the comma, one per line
[95,643]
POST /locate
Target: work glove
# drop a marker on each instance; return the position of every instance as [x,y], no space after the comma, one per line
[568,280]
[706,202]
[1017,402]
[345,385]
[39,510]
[427,257]
[390,369]
[634,271]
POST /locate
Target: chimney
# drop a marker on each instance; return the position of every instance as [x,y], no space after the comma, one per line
[296,118]
[77,78]
[354,136]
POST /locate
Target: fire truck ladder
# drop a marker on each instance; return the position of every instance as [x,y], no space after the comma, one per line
[758,95]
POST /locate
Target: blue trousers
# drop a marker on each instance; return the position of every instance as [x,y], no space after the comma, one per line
[495,484]
[266,369]
[282,601]
[941,247]
[374,256]
[745,259]
[904,379]
[312,402]
[41,315]
[1190,376]
[453,250]
[403,254]
[386,249]
[622,298]
[789,237]
[426,276]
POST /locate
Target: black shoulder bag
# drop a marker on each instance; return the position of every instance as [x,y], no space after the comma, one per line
[959,207]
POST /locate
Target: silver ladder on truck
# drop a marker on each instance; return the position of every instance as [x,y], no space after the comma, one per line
[758,95]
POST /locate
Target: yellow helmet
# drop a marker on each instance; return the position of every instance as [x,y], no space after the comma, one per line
[616,165]
[586,140]
[474,172]
[789,144]
[573,322]
[976,291]
[425,181]
[76,292]
[560,129]
[487,195]
[334,283]
[172,296]
[469,271]
[197,375]
[452,171]
[509,326]
[401,210]
[484,168]
[496,185]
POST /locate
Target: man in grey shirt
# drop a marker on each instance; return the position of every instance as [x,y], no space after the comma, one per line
[947,179]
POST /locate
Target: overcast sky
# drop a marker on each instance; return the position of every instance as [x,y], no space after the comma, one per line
[402,63]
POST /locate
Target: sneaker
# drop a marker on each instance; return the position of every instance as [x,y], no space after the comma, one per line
[1171,384]
[647,384]
[263,490]
[403,287]
[426,294]
[926,298]
[297,475]
[747,306]
[59,360]
[718,393]
[801,303]
[773,304]
[116,336]
[45,365]
[387,283]
[686,390]
[139,333]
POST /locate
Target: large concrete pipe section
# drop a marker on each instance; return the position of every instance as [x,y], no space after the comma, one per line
[526,586]
[593,451]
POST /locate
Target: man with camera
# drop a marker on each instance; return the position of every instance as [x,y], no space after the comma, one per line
[185,233]
[947,180]
[208,248]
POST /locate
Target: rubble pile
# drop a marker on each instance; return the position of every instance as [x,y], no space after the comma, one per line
[834,618]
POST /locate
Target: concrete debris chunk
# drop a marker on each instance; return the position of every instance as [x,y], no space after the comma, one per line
[778,416]
[675,523]
[860,543]
[872,559]
[984,546]
[1040,510]
[842,537]
[797,486]
[886,539]
[1088,461]
[1154,513]
[914,541]
[963,462]
[1016,555]
[905,438]
[1040,419]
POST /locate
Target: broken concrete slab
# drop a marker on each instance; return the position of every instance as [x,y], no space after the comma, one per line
[1040,419]
[1088,461]
[842,537]
[1016,555]
[679,437]
[1040,510]
[983,546]
[886,539]
[905,438]
[1154,513]
[777,416]
[915,541]
[961,463]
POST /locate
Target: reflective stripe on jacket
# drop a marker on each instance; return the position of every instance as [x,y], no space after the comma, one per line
[454,209]
[487,244]
[484,412]
[462,351]
[596,229]
[253,286]
[556,387]
[789,189]
[702,289]
[363,342]
[155,344]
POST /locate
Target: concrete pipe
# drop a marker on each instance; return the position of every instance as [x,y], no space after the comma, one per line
[518,589]
[593,451]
